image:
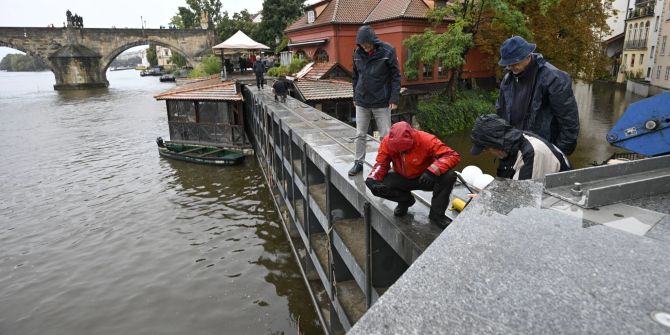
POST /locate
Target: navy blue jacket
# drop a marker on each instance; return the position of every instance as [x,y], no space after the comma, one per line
[376,77]
[553,113]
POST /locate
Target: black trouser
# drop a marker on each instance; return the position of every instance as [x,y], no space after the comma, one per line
[259,80]
[399,189]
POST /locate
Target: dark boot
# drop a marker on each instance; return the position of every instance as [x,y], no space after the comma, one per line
[356,169]
[439,220]
[401,209]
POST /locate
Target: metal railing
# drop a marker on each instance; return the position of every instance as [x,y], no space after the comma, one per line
[636,44]
[640,12]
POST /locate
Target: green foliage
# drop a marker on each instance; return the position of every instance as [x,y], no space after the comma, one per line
[283,44]
[152,58]
[227,27]
[208,66]
[19,62]
[278,71]
[189,18]
[448,48]
[442,117]
[185,19]
[296,65]
[177,59]
[277,15]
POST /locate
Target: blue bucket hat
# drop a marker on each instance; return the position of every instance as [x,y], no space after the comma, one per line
[514,50]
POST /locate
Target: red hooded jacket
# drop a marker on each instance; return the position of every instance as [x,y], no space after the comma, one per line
[411,152]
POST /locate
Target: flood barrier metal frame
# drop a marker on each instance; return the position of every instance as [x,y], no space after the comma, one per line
[604,185]
[280,134]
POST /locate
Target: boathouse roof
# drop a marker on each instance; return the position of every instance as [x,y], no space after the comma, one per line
[317,71]
[212,89]
[312,90]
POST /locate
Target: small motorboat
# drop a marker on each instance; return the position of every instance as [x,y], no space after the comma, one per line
[167,78]
[198,153]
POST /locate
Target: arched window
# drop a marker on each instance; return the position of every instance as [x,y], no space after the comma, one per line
[321,56]
[301,54]
[646,32]
[635,35]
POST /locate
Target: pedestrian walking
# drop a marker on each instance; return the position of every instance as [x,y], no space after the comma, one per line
[376,83]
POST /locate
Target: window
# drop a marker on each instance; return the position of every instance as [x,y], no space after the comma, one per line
[667,72]
[665,39]
[427,71]
[311,16]
[635,35]
[656,24]
[658,72]
[646,32]
[641,58]
[651,54]
[648,72]
[321,56]
[625,60]
[441,71]
[440,3]
[632,60]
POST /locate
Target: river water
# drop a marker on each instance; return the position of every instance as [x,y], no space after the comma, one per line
[99,235]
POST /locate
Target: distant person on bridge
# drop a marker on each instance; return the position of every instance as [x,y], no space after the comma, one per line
[280,88]
[522,155]
[536,96]
[259,71]
[376,82]
[420,161]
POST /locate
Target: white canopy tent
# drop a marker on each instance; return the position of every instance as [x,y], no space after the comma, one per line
[237,43]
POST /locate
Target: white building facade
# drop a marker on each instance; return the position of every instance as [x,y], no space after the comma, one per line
[660,74]
[643,22]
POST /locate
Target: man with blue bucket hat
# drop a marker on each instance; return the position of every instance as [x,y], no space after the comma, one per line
[537,97]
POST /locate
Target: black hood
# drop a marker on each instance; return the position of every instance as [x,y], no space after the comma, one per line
[492,131]
[367,34]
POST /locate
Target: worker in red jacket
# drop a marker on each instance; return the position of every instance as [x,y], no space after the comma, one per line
[420,161]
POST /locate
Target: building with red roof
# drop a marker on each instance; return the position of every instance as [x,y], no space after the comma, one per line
[327,33]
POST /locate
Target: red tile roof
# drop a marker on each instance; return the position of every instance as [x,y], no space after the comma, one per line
[316,71]
[363,12]
[313,90]
[210,89]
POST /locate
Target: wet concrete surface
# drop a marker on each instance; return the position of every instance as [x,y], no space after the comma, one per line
[509,266]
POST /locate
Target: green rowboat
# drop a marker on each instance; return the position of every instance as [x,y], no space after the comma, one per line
[198,153]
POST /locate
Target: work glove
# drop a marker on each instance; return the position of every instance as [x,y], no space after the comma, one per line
[427,179]
[377,188]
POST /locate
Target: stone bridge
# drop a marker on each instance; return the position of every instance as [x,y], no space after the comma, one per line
[79,57]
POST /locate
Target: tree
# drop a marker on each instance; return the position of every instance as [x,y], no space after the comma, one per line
[185,19]
[19,62]
[277,15]
[567,32]
[177,59]
[189,18]
[243,21]
[152,58]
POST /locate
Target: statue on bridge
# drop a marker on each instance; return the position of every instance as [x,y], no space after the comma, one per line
[74,20]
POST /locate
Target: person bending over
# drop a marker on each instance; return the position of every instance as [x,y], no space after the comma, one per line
[419,161]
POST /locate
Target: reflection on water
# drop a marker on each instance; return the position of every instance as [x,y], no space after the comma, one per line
[600,106]
[99,235]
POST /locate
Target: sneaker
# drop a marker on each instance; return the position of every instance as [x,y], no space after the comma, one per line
[441,221]
[356,169]
[401,209]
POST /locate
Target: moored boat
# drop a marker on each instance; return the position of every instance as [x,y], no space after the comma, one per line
[198,153]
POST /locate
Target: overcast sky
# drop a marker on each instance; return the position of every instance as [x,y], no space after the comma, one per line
[101,14]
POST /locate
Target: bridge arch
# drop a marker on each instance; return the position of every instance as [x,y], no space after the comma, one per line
[107,59]
[29,53]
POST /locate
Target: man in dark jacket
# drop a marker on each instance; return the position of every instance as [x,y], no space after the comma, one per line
[536,96]
[420,161]
[522,155]
[259,71]
[376,82]
[280,88]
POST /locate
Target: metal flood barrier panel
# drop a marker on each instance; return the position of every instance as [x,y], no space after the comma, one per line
[349,246]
